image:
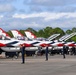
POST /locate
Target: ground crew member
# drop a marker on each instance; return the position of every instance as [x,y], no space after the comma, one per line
[46,53]
[63,51]
[22,48]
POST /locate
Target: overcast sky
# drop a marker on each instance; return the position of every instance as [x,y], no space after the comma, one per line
[37,14]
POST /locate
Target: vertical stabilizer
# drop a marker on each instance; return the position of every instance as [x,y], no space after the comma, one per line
[16,33]
[3,33]
[30,35]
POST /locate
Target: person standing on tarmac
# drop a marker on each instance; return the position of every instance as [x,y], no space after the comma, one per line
[22,48]
[46,53]
[73,50]
[63,51]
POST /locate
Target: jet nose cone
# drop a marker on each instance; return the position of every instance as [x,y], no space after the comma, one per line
[2,45]
[71,45]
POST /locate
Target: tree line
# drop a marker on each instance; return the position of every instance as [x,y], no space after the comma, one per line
[48,31]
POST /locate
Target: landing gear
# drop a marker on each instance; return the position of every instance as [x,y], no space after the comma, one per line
[11,55]
[1,51]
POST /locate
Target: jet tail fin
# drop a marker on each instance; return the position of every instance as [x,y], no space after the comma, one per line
[30,35]
[17,34]
[3,33]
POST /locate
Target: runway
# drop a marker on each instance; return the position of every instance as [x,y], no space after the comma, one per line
[56,65]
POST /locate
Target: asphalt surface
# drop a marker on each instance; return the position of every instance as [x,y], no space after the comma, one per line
[56,65]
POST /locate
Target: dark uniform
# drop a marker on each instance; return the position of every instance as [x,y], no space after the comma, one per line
[63,51]
[46,53]
[23,53]
[73,50]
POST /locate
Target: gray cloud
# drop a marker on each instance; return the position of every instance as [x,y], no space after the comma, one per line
[68,9]
[51,5]
[6,8]
[62,9]
[65,20]
[50,2]
[35,9]
[6,1]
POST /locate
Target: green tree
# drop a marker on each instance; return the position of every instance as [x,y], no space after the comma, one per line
[73,38]
[47,31]
[9,33]
[57,30]
[22,32]
[32,30]
[68,31]
[74,29]
[40,33]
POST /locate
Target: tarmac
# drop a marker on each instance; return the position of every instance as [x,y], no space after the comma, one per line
[55,65]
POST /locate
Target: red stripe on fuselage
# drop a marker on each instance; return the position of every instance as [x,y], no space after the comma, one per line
[2,45]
